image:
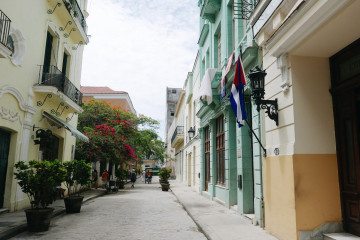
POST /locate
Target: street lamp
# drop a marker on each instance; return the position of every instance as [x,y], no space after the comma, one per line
[191,133]
[257,78]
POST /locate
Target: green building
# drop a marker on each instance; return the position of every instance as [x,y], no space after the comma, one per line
[231,166]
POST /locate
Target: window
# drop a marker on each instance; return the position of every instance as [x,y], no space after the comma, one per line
[233,27]
[220,151]
[66,64]
[50,149]
[48,52]
[10,43]
[173,91]
[171,113]
[219,51]
[207,61]
[207,154]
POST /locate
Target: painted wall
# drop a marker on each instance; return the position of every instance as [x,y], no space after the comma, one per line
[279,186]
[317,194]
[19,73]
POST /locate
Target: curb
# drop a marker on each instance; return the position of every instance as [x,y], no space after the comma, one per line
[201,229]
[22,227]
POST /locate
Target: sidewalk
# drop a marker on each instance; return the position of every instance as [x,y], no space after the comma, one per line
[216,221]
[15,222]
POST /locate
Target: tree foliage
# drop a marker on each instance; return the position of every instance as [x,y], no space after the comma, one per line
[117,136]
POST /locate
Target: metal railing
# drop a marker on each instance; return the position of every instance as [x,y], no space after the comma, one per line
[5,23]
[52,76]
[178,130]
[75,10]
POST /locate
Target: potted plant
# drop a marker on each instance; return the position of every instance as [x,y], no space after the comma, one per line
[39,181]
[78,174]
[121,174]
[164,175]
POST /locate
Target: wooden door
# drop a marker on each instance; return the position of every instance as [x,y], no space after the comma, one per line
[4,155]
[347,124]
[207,158]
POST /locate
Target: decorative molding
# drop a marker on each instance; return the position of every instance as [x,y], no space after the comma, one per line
[17,57]
[8,114]
[301,31]
[283,64]
[22,103]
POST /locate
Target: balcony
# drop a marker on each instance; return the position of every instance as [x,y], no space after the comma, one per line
[72,20]
[6,48]
[52,80]
[178,137]
[209,9]
[203,34]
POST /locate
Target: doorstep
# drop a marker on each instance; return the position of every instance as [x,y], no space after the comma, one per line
[340,236]
[4,210]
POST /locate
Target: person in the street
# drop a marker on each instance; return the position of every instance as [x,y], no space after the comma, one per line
[95,178]
[105,178]
[148,176]
[133,179]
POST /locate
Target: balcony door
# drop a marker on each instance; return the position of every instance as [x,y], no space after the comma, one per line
[4,155]
[48,50]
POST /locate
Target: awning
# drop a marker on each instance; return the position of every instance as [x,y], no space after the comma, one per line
[76,133]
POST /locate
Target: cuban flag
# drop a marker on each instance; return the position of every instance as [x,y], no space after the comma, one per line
[237,94]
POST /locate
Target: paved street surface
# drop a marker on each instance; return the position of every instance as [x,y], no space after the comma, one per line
[144,212]
[215,220]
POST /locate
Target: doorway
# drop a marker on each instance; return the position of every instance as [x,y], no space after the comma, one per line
[4,155]
[207,157]
[345,76]
[189,170]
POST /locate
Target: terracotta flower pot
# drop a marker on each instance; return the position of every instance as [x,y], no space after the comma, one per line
[73,204]
[38,220]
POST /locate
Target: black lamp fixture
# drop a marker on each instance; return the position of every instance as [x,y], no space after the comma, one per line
[257,78]
[43,135]
[191,132]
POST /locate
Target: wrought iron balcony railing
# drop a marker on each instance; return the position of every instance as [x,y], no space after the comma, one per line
[5,23]
[52,76]
[74,9]
[178,130]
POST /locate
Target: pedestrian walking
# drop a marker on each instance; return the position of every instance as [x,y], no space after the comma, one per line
[105,178]
[133,179]
[95,178]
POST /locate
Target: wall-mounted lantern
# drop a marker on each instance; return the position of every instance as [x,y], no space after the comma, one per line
[257,78]
[191,133]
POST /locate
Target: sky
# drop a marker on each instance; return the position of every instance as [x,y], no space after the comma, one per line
[141,47]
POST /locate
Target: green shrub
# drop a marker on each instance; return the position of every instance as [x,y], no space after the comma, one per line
[39,181]
[121,174]
[164,174]
[78,174]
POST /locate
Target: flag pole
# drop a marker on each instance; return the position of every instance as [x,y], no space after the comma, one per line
[250,126]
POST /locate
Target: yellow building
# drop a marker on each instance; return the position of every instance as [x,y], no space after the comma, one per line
[311,52]
[41,48]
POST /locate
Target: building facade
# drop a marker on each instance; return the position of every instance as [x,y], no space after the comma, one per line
[114,98]
[231,157]
[191,157]
[172,96]
[175,138]
[40,67]
[310,52]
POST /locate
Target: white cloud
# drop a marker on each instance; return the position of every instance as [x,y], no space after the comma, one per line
[141,46]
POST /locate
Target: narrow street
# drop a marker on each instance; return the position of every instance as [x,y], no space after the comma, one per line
[144,212]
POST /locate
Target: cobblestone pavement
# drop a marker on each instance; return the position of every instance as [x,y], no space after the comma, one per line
[140,213]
